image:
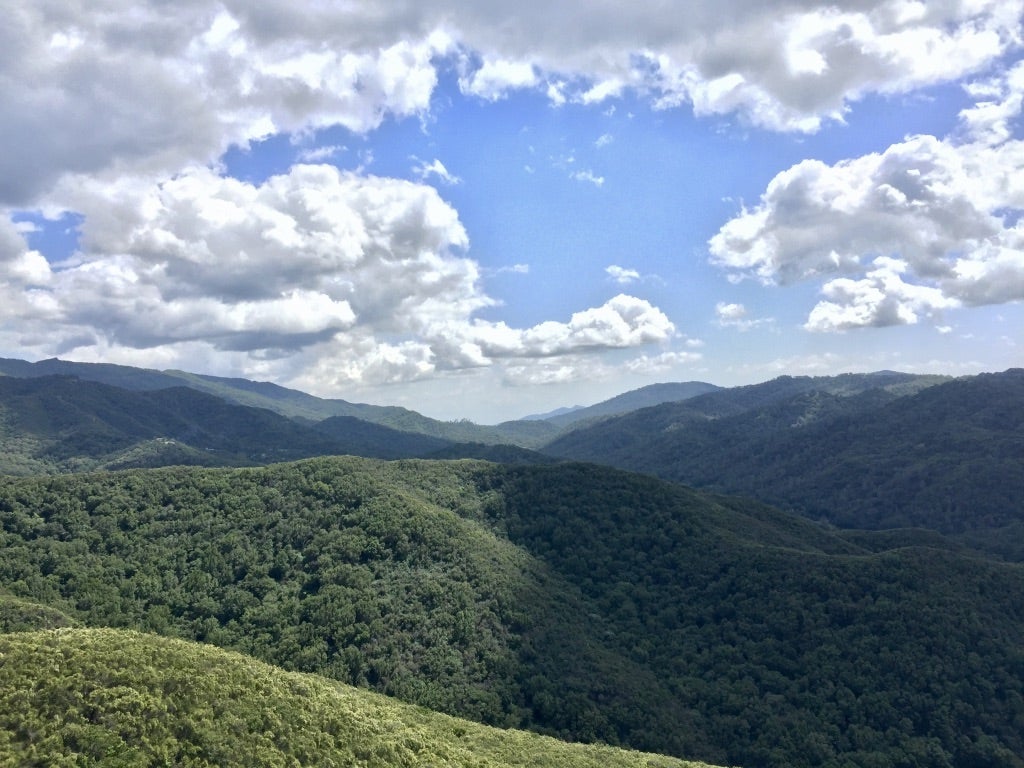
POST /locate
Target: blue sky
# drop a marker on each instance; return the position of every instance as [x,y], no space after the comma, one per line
[479,212]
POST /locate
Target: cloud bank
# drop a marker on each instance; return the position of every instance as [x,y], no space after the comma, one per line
[164,85]
[925,226]
[366,274]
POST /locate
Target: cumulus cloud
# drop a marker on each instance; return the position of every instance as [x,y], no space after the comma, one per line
[930,224]
[353,278]
[621,322]
[292,262]
[159,86]
[879,299]
[495,77]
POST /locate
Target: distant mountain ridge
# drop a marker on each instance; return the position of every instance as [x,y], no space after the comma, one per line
[644,397]
[944,454]
[75,425]
[287,402]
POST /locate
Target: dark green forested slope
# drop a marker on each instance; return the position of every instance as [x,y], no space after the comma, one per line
[373,573]
[59,423]
[19,615]
[949,457]
[575,600]
[117,698]
[283,401]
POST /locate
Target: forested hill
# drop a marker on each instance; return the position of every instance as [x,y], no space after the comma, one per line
[59,423]
[286,402]
[110,697]
[575,600]
[949,457]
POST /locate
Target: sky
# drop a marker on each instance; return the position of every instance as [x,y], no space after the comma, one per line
[484,210]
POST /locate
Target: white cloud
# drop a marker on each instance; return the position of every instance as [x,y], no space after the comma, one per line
[621,322]
[516,269]
[604,140]
[319,154]
[496,77]
[736,316]
[582,368]
[927,225]
[588,177]
[666,361]
[315,275]
[621,275]
[295,261]
[998,101]
[602,91]
[159,86]
[435,169]
[879,299]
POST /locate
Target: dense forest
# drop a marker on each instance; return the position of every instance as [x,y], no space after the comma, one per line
[582,602]
[117,698]
[949,457]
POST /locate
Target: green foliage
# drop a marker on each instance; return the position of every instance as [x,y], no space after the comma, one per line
[574,600]
[116,698]
[787,646]
[385,575]
[18,615]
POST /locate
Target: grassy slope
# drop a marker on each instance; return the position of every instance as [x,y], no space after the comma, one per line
[116,698]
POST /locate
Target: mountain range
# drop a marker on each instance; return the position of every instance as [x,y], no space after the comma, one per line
[837,583]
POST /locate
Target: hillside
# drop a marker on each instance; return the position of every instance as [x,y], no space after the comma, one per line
[949,457]
[286,402]
[109,697]
[60,423]
[644,397]
[573,600]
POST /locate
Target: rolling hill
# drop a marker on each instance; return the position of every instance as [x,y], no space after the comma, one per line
[110,697]
[573,600]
